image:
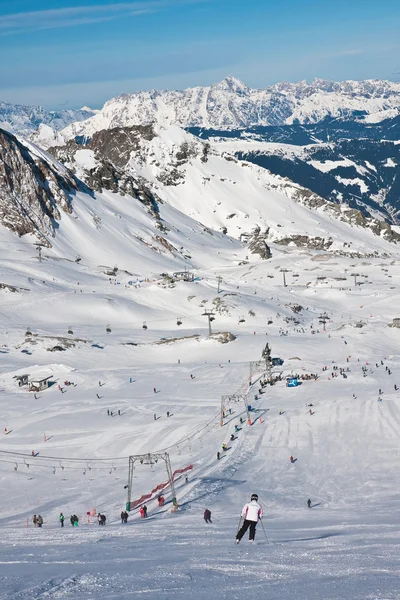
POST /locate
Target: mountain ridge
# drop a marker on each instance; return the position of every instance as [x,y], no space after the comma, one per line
[23,119]
[231,104]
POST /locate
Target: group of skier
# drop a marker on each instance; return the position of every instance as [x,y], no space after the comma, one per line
[37,521]
[124,516]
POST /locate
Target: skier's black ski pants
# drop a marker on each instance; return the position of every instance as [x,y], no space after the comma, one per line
[244,528]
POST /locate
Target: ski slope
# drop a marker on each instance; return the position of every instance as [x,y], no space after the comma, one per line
[347,457]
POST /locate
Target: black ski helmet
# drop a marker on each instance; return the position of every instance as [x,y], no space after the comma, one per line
[254,497]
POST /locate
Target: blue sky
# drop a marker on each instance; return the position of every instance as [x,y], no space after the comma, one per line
[68,54]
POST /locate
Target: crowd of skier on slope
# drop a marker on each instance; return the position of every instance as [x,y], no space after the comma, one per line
[252,511]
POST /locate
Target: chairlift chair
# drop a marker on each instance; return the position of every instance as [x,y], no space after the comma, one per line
[179,321]
[70,331]
[108,329]
[144,326]
[242,320]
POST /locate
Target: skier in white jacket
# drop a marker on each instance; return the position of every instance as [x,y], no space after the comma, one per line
[251,512]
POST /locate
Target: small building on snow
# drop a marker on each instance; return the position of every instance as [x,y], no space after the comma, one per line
[22,379]
[38,385]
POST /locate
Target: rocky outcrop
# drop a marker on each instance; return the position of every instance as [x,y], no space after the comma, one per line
[117,144]
[33,191]
[305,241]
[257,243]
[111,150]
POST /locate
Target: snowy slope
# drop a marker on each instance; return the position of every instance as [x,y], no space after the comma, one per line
[230,104]
[82,322]
[359,172]
[346,452]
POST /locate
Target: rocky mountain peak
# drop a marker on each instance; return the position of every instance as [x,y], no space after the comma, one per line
[230,84]
[33,190]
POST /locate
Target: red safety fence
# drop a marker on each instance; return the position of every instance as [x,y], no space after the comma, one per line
[158,488]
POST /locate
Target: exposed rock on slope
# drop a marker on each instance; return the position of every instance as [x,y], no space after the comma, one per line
[33,191]
[101,164]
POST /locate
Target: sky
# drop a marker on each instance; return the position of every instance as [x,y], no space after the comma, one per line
[67,54]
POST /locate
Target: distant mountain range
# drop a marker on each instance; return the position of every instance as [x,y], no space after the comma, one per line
[322,144]
[230,104]
[25,120]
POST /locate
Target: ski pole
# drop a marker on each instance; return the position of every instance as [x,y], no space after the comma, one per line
[266,537]
[240,520]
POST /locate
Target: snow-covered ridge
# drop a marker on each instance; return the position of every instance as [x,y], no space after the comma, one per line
[231,104]
[225,194]
[22,119]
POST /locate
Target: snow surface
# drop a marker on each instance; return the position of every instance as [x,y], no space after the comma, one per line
[355,181]
[347,454]
[390,163]
[347,451]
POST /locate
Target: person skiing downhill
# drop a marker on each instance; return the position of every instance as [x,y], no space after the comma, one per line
[252,513]
[207,516]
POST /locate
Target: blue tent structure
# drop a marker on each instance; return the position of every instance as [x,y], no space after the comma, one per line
[292,382]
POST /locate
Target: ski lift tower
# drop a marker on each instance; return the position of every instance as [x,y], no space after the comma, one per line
[284,271]
[256,366]
[235,398]
[211,317]
[39,247]
[323,319]
[266,355]
[149,459]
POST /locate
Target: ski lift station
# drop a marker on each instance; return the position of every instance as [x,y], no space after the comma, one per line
[183,276]
[38,385]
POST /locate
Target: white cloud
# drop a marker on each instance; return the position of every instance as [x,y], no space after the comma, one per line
[78,15]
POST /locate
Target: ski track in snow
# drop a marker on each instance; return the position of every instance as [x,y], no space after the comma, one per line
[345,547]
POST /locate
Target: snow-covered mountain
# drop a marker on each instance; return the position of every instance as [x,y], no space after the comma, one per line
[342,161]
[231,104]
[214,188]
[44,202]
[164,176]
[19,118]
